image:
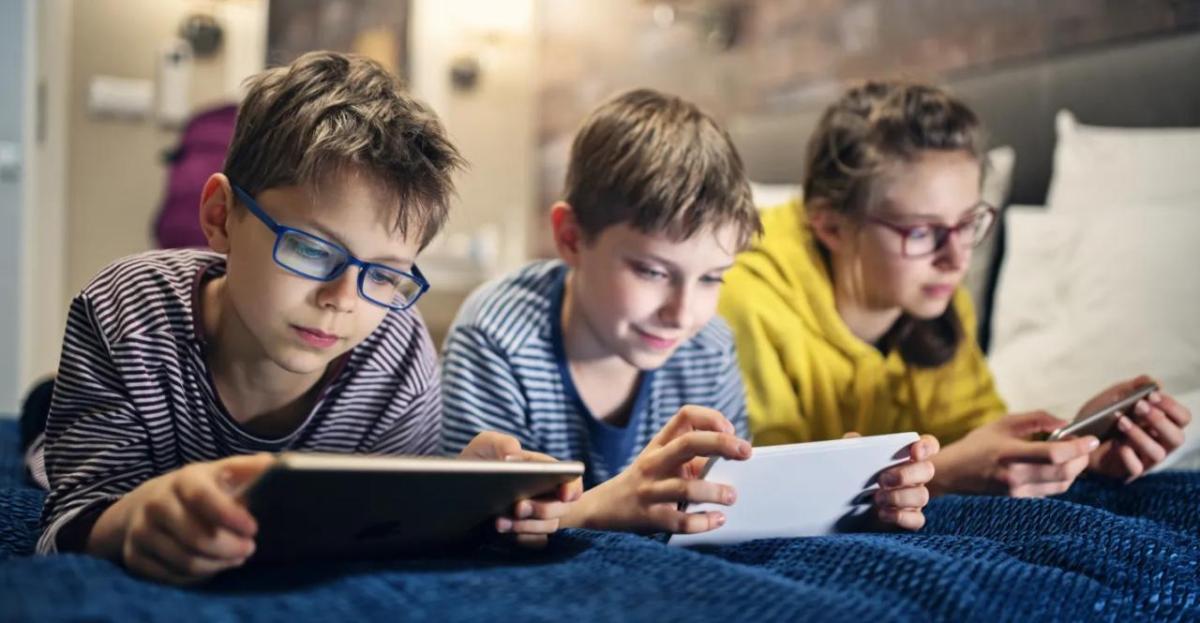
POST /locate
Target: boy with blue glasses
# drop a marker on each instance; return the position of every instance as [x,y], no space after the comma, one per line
[180,369]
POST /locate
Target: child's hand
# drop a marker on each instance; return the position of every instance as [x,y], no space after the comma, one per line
[1000,458]
[185,526]
[649,495]
[533,520]
[902,494]
[1149,432]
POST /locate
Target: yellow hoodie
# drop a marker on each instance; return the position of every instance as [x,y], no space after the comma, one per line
[809,378]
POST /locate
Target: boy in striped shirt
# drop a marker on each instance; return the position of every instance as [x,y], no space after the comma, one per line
[180,370]
[612,354]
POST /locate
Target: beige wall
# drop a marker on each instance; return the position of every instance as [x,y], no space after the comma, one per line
[115,174]
[493,126]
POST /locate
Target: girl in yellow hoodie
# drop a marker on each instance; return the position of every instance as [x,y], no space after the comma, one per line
[848,314]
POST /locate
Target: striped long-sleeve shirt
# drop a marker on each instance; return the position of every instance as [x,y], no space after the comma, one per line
[505,369]
[134,398]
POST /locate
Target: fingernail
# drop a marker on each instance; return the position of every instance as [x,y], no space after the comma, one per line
[889,479]
[720,520]
[729,497]
[1155,397]
[743,448]
[524,510]
[1093,443]
[1142,408]
[512,457]
[1124,424]
[503,524]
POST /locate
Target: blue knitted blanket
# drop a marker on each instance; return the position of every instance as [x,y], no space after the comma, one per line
[1101,552]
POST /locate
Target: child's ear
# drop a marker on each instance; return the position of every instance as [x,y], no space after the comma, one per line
[827,225]
[216,206]
[567,235]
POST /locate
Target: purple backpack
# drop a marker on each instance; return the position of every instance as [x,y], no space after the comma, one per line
[201,152]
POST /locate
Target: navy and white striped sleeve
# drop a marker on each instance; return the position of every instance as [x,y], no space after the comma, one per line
[480,392]
[96,445]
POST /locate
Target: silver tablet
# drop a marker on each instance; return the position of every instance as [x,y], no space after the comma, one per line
[312,505]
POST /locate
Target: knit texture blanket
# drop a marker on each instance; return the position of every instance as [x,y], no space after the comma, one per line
[1102,552]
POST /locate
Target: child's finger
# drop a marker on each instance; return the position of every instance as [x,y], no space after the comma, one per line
[1023,425]
[570,491]
[906,518]
[670,519]
[543,509]
[1051,452]
[202,496]
[671,457]
[1161,427]
[198,536]
[909,497]
[1148,450]
[688,491]
[534,526]
[1174,410]
[692,418]
[148,566]
[907,475]
[1129,459]
[1035,473]
[1040,489]
[160,550]
[925,447]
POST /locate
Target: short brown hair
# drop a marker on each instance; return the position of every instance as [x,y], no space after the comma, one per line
[327,111]
[869,127]
[662,165]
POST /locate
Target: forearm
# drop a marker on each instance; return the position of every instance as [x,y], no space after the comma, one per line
[581,513]
[107,535]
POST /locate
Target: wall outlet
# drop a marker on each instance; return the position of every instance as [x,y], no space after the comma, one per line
[124,98]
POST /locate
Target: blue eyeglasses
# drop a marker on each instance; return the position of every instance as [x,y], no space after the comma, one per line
[313,257]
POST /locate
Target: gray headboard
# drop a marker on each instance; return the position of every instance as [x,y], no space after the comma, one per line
[1144,83]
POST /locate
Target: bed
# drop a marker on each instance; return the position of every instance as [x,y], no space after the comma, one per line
[1100,552]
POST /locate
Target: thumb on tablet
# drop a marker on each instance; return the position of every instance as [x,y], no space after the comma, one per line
[237,471]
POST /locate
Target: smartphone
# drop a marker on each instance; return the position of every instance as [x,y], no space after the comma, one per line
[1103,422]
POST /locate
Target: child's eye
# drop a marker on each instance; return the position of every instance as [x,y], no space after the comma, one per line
[712,279]
[647,272]
[920,233]
[383,278]
[308,250]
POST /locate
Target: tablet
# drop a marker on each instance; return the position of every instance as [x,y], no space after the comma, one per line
[803,489]
[311,505]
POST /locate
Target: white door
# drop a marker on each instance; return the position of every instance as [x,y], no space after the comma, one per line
[14,134]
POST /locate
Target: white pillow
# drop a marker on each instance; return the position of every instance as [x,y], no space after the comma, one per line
[1027,298]
[1123,167]
[1085,300]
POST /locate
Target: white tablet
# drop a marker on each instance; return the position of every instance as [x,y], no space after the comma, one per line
[310,505]
[803,489]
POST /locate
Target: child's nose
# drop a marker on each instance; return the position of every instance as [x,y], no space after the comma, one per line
[341,293]
[675,311]
[956,252]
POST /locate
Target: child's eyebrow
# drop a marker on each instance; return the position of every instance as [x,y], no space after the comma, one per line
[888,203]
[674,266]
